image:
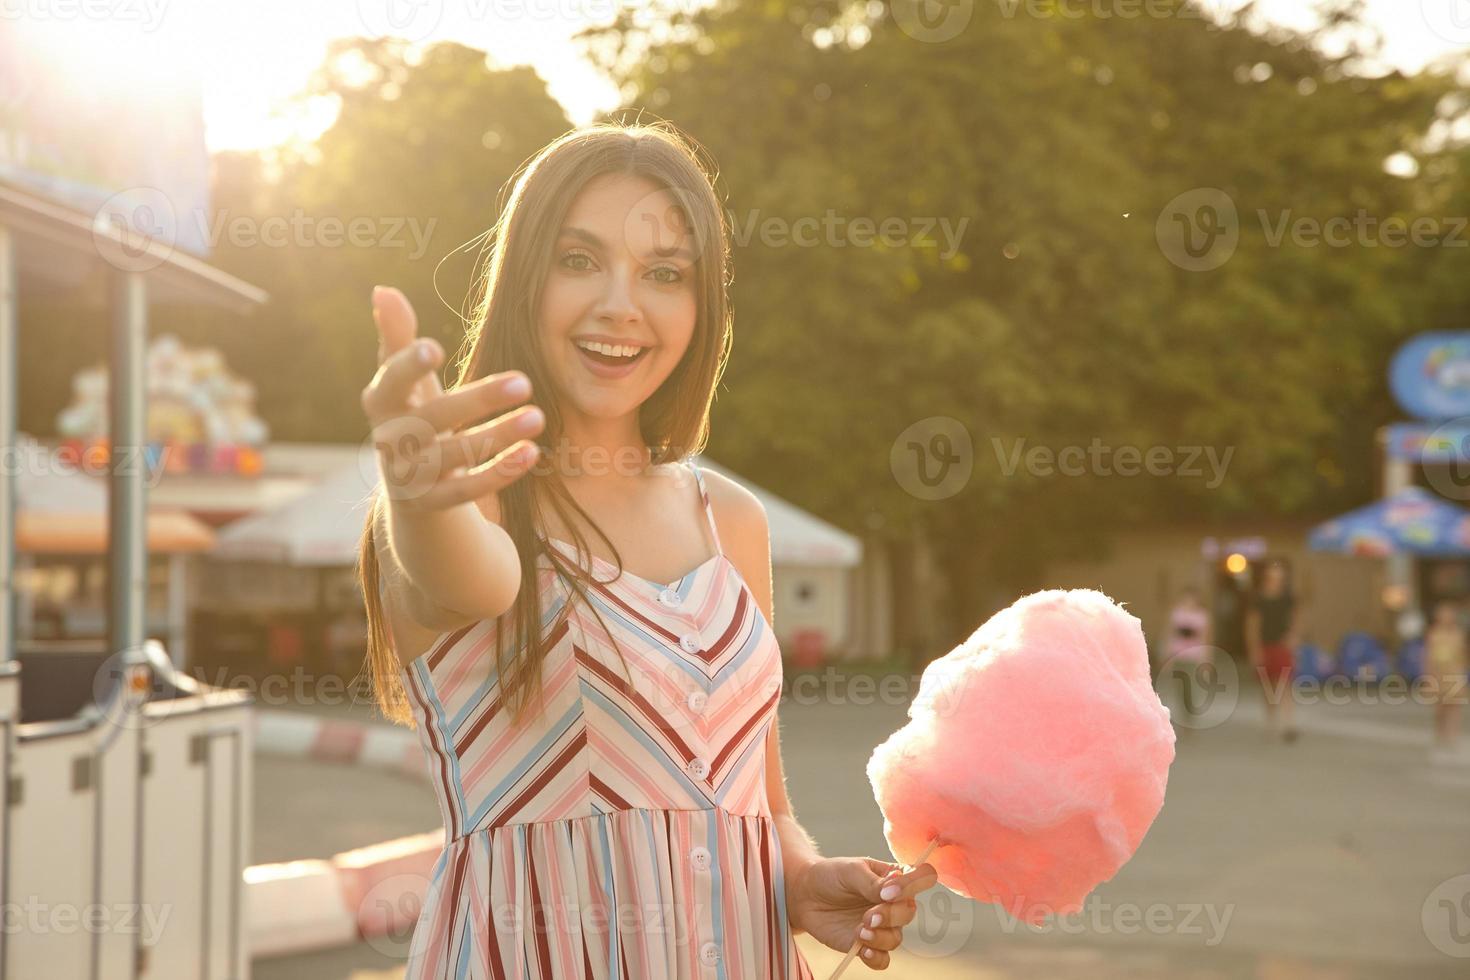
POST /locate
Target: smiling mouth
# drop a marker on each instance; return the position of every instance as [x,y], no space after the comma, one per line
[611,360]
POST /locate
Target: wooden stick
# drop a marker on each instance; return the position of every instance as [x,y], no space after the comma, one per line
[857,943]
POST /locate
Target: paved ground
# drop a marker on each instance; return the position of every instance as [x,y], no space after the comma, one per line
[1335,858]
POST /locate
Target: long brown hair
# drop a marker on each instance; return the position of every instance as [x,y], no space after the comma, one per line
[502,333]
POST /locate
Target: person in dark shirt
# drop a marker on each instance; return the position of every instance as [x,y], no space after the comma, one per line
[1271,637]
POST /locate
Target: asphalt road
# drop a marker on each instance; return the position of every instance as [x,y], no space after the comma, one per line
[1338,856]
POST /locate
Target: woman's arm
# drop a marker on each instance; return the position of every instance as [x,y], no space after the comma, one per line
[746,536]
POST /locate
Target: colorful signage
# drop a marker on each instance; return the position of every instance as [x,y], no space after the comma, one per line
[201,418]
[1430,375]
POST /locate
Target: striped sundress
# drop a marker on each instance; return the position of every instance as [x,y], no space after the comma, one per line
[624,832]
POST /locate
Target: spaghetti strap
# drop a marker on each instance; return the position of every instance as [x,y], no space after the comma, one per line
[709,514]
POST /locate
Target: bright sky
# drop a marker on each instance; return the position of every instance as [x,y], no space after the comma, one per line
[253,56]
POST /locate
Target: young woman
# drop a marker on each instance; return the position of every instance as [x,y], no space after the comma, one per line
[610,780]
[1271,638]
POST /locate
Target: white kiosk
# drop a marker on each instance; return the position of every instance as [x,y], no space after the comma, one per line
[127,786]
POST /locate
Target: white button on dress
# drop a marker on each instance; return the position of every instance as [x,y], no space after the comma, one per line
[709,954]
[669,597]
[689,642]
[698,768]
[700,857]
[696,700]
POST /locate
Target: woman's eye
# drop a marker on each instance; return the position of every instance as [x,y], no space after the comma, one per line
[674,274]
[570,256]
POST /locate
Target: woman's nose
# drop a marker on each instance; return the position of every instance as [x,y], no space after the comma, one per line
[619,299]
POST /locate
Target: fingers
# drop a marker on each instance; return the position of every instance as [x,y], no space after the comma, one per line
[491,395]
[386,404]
[900,886]
[474,446]
[397,329]
[397,324]
[893,915]
[388,393]
[439,491]
[882,925]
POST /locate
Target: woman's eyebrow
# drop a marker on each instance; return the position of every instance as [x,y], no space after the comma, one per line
[591,238]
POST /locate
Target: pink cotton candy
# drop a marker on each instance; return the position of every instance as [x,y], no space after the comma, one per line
[1037,751]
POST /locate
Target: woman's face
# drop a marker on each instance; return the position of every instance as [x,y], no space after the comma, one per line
[622,274]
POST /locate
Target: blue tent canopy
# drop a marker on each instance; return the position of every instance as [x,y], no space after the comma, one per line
[1413,521]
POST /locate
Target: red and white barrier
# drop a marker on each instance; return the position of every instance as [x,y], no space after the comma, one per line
[339,741]
[363,894]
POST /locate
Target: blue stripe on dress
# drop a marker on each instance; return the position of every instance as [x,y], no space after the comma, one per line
[426,682]
[638,733]
[608,890]
[717,899]
[534,756]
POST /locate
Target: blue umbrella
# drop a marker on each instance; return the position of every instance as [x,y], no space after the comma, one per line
[1413,521]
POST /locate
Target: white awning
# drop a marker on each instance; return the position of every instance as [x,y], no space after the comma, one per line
[320,527]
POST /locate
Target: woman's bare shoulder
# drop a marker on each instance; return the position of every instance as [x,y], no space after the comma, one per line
[733,504]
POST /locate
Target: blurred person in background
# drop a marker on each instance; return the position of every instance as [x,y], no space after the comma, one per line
[1271,636]
[1188,651]
[1444,676]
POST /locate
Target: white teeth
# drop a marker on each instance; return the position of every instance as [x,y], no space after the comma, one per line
[609,349]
